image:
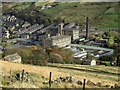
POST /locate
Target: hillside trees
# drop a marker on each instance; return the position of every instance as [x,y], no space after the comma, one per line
[30,55]
[33,16]
[66,54]
[110,41]
[58,20]
[37,55]
[116,56]
[113,59]
[39,58]
[113,38]
[55,58]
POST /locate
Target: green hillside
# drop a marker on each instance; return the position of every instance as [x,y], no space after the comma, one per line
[101,15]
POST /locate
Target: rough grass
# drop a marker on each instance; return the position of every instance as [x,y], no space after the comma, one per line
[38,71]
[23,6]
[100,15]
[39,3]
[112,73]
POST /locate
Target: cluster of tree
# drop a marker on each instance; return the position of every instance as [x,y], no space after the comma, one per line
[30,55]
[114,60]
[113,41]
[32,14]
[112,37]
[39,56]
[60,55]
[116,55]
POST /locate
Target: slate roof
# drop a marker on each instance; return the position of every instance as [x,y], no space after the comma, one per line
[70,25]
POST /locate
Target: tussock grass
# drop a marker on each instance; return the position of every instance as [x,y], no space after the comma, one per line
[38,71]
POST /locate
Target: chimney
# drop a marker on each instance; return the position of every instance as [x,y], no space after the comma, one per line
[87,28]
[60,28]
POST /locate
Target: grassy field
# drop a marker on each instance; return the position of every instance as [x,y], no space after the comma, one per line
[103,74]
[102,15]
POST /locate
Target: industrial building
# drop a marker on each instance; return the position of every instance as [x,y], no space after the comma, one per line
[60,41]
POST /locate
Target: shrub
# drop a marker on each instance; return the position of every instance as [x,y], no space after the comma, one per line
[5,81]
[30,55]
[105,58]
[107,63]
[55,58]
[78,61]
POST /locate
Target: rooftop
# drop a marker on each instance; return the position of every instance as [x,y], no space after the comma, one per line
[60,37]
[12,57]
[70,29]
[70,25]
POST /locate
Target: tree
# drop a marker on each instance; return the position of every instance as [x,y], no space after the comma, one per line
[5,45]
[117,55]
[39,58]
[69,54]
[110,42]
[89,56]
[55,58]
[48,51]
[115,58]
[58,20]
[30,55]
[46,21]
[66,54]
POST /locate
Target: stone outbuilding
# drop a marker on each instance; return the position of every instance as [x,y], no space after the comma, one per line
[16,58]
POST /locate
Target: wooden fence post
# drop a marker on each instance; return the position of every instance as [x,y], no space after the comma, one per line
[84,84]
[22,75]
[50,79]
[10,75]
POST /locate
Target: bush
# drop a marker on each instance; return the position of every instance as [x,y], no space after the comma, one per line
[107,63]
[5,81]
[105,58]
[38,56]
[30,55]
[55,58]
[78,61]
[39,59]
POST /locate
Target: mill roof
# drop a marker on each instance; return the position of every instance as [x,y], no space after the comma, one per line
[59,37]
